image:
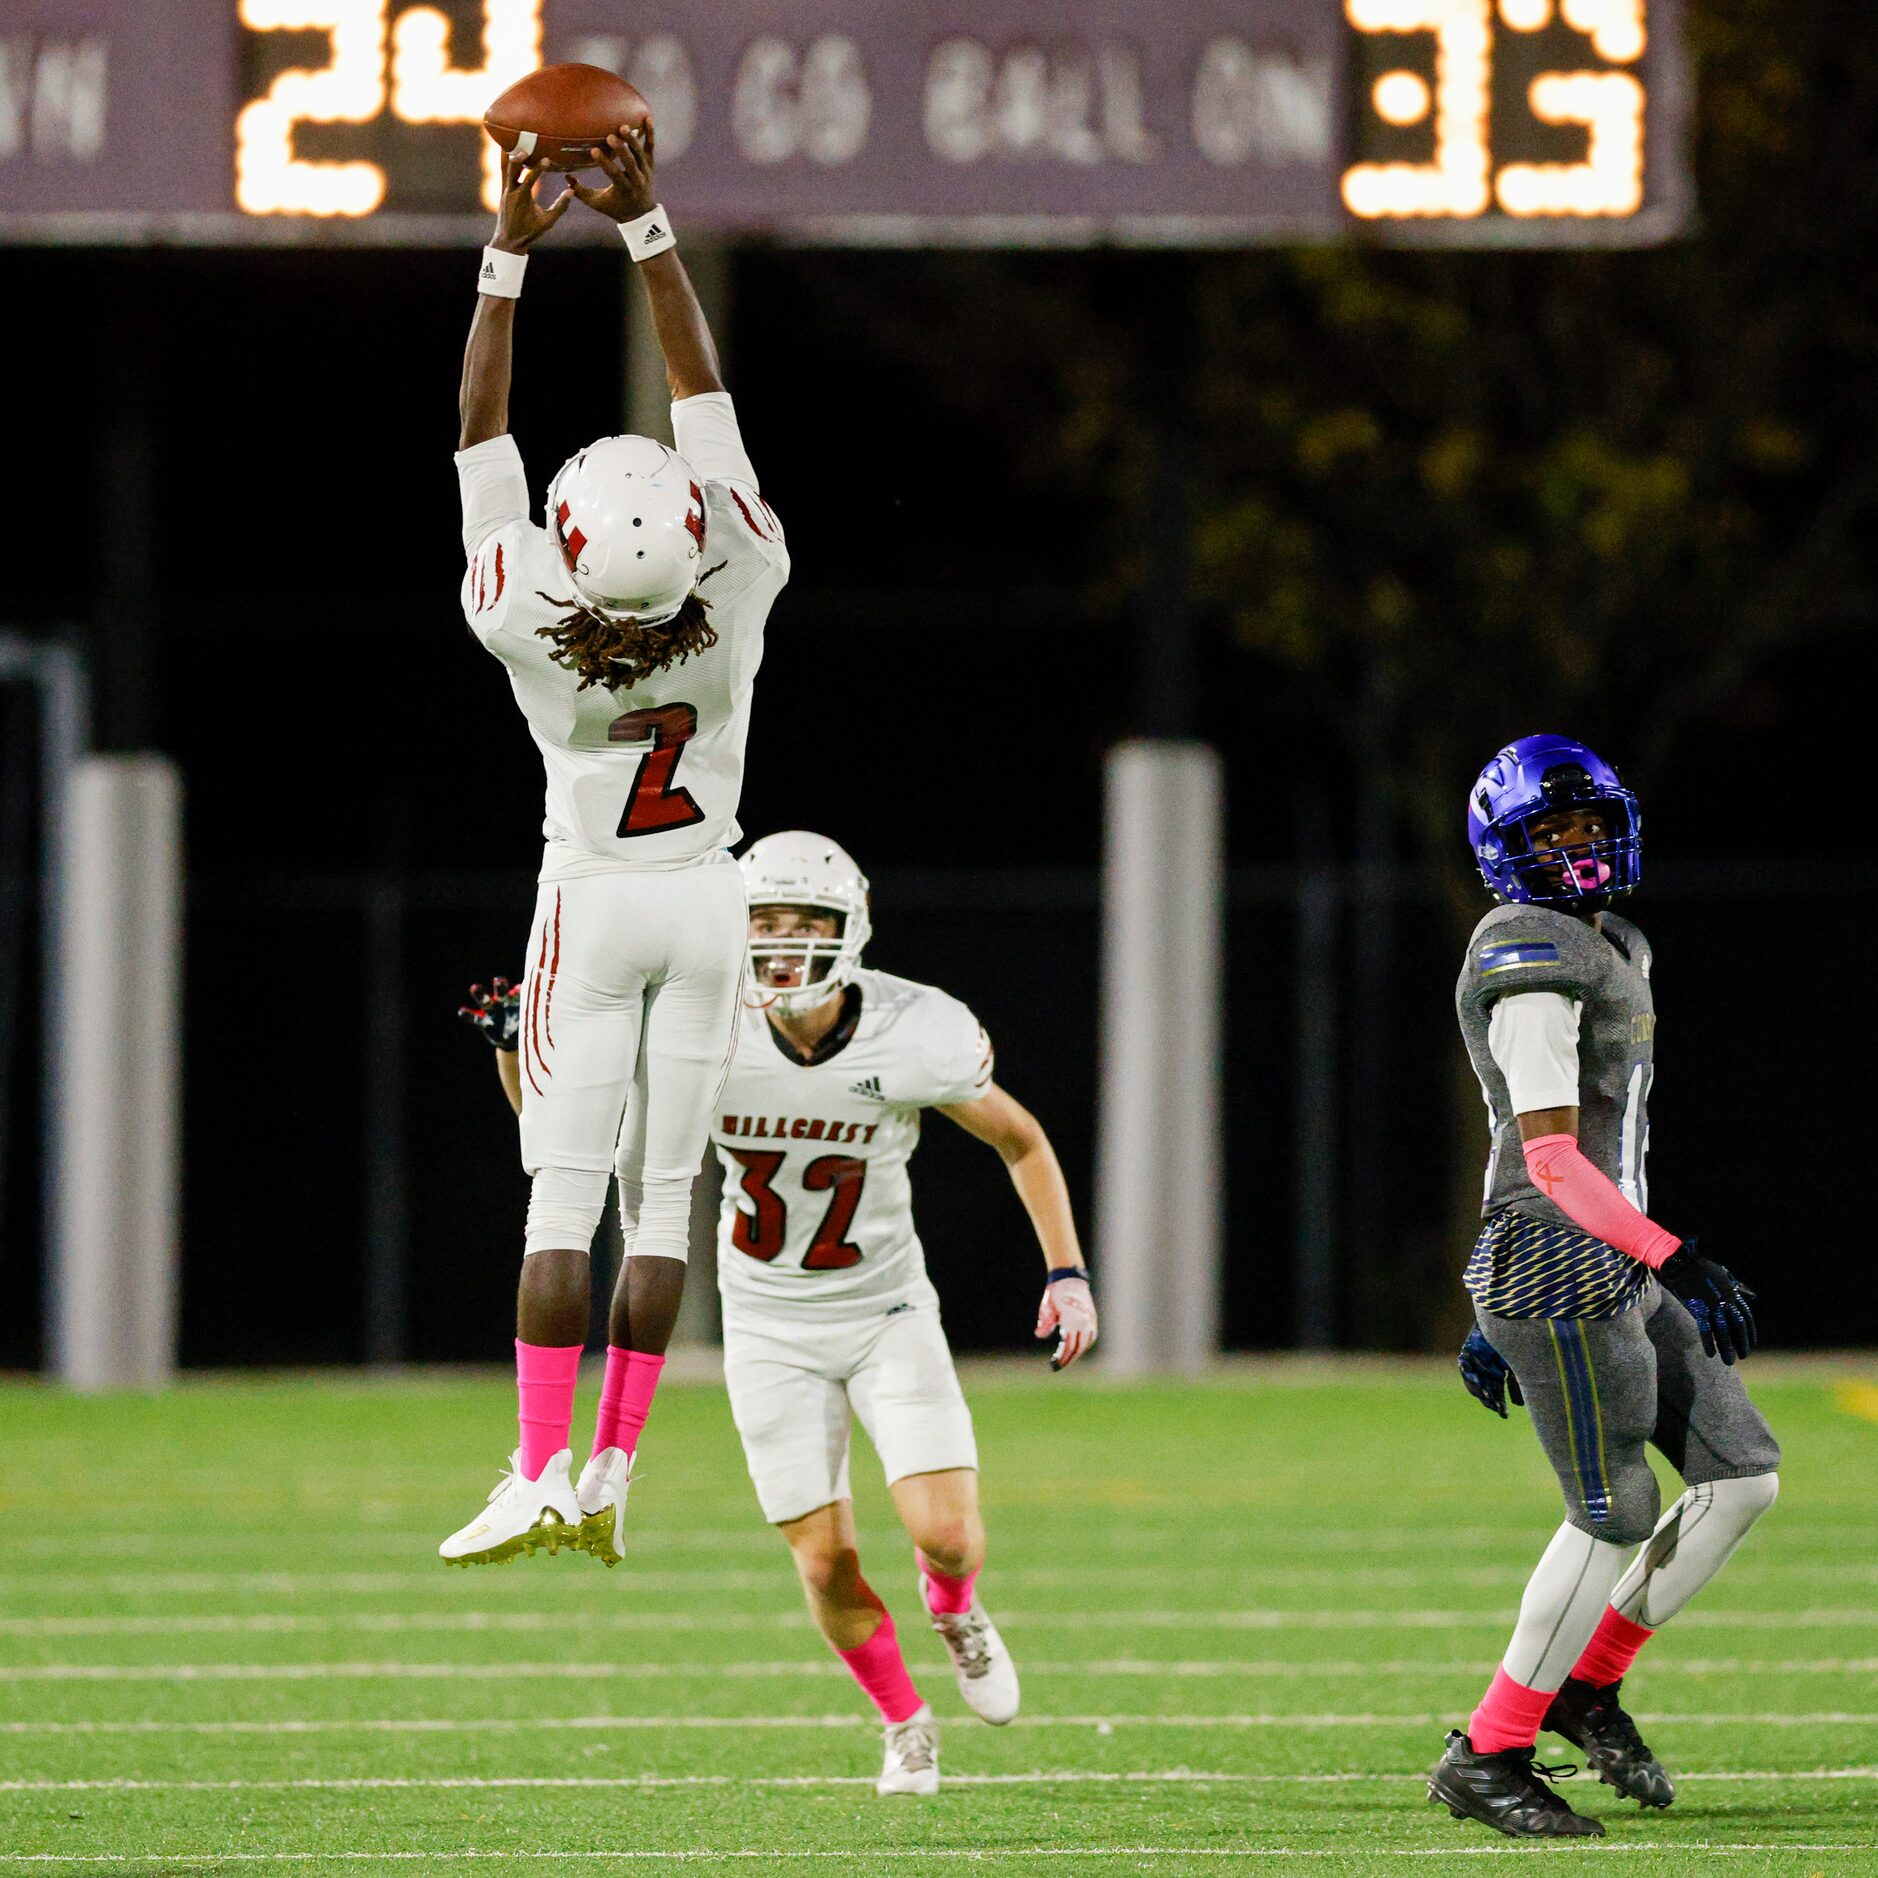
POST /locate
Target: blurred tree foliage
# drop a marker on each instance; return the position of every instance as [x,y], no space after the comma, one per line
[1444,498]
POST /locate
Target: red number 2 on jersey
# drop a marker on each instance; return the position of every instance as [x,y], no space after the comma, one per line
[655,807]
[762,1232]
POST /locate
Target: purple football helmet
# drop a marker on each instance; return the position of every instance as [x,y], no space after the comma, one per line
[1539,776]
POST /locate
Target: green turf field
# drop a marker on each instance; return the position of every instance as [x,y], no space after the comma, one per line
[1244,1611]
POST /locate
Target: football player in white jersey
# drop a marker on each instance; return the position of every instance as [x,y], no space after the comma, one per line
[631,627]
[827,1305]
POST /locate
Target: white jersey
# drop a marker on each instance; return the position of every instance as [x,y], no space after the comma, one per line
[649,776]
[818,1203]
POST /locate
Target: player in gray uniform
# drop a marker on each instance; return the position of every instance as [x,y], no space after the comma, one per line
[1612,1332]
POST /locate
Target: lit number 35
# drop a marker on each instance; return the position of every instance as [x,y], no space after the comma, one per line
[657,804]
[1462,181]
[763,1231]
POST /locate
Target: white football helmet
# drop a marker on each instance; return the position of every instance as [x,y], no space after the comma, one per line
[801,869]
[628,517]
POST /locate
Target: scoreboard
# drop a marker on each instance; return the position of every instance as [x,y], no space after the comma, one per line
[912,122]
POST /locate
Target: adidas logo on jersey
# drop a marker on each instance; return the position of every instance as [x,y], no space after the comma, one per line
[869,1089]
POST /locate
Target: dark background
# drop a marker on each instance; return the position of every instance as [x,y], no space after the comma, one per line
[1356,516]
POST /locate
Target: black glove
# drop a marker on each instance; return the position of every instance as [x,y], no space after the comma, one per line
[1715,1298]
[1488,1376]
[497,1013]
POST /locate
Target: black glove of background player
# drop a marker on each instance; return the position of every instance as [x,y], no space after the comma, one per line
[1715,1298]
[1488,1375]
[497,1012]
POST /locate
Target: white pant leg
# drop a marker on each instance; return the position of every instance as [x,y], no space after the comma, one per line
[791,1411]
[692,1002]
[907,1394]
[583,1009]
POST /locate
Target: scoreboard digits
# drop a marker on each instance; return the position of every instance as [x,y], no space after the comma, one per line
[1158,123]
[1471,116]
[376,66]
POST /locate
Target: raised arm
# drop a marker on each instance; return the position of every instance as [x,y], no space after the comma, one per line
[521,221]
[1004,1123]
[628,196]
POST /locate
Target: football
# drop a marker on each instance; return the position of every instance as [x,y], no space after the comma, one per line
[560,112]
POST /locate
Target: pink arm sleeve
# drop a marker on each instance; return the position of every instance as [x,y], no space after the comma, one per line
[1591,1199]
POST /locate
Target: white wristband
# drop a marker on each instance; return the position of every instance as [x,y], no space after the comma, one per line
[502,273]
[651,234]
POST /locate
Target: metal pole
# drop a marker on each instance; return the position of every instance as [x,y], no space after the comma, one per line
[64,736]
[387,1235]
[1316,1092]
[1159,1197]
[115,1295]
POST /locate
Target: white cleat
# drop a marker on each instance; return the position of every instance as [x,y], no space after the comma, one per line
[604,1483]
[523,1515]
[912,1763]
[986,1675]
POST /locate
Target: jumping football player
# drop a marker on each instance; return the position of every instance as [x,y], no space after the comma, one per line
[631,627]
[1612,1332]
[827,1306]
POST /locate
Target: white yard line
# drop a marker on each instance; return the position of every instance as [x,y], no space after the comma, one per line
[973,1854]
[818,1666]
[263,1623]
[605,1724]
[401,1583]
[1060,1777]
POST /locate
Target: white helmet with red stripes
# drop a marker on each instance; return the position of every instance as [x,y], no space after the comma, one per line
[791,971]
[628,517]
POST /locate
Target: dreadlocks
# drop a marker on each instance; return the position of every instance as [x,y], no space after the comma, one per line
[616,654]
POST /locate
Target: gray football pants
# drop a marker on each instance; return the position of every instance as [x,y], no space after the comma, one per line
[1599,1389]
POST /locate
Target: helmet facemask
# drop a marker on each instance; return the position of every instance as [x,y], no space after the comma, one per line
[796,961]
[1578,848]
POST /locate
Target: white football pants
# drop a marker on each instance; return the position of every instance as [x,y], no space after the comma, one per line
[629,1017]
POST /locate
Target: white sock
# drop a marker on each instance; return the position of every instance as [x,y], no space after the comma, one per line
[1563,1603]
[1691,1543]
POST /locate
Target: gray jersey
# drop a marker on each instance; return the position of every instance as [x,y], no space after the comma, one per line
[1607,975]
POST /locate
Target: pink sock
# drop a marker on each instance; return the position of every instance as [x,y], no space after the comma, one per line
[1612,1649]
[1508,1716]
[545,1375]
[632,1377]
[945,1596]
[880,1669]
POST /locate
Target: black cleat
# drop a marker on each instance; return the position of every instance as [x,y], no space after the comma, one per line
[1591,1720]
[1505,1791]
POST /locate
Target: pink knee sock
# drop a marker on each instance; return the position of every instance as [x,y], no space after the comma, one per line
[880,1669]
[945,1596]
[545,1375]
[632,1377]
[1508,1716]
[1612,1649]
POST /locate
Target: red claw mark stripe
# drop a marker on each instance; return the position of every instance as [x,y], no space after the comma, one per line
[743,508]
[534,1009]
[497,595]
[554,972]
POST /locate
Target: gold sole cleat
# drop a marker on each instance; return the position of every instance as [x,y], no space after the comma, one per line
[595,1536]
[549,1533]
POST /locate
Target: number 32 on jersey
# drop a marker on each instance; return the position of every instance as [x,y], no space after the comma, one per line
[764,1231]
[658,803]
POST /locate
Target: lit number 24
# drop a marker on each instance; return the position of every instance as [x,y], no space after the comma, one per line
[657,804]
[763,1232]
